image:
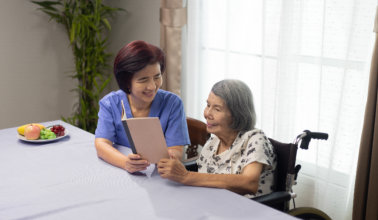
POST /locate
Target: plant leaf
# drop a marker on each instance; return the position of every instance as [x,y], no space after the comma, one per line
[49,5]
[106,23]
[72,32]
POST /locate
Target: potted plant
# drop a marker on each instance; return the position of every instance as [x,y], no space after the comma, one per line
[87,25]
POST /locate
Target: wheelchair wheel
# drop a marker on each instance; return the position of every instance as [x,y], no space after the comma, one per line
[308,213]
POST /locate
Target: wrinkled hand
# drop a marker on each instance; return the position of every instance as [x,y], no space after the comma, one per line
[172,169]
[135,163]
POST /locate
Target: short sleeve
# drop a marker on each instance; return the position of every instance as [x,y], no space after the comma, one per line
[176,132]
[105,125]
[258,149]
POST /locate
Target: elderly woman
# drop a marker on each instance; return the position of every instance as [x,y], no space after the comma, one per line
[138,68]
[237,157]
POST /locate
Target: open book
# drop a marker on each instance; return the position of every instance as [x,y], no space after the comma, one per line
[145,136]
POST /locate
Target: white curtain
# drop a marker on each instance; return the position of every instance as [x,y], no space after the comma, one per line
[307,64]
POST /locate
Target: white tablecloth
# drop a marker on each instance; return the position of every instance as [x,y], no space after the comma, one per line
[66,180]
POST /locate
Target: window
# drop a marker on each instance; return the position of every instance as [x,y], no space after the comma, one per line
[307,64]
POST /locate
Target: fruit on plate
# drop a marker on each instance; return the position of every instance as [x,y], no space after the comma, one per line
[47,134]
[32,132]
[58,130]
[21,129]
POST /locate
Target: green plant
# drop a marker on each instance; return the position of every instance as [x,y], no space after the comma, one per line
[87,25]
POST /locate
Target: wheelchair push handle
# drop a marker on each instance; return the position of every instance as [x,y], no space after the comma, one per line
[307,135]
[318,135]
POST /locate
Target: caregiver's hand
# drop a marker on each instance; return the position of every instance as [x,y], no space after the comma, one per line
[135,163]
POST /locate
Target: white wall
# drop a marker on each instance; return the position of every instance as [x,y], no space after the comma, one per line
[36,60]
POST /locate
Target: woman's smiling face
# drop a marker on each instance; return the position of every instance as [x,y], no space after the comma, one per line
[218,116]
[145,84]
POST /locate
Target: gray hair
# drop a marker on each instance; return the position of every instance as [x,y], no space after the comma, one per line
[239,100]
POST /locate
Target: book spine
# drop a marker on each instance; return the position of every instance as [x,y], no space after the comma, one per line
[131,142]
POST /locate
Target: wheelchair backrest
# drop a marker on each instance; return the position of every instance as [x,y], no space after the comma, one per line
[286,157]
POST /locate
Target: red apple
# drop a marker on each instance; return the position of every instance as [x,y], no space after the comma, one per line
[32,132]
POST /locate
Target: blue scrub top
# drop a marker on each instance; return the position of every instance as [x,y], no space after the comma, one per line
[167,106]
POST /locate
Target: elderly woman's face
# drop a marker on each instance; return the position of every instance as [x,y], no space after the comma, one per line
[218,116]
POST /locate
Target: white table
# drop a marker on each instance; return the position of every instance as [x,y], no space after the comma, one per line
[66,180]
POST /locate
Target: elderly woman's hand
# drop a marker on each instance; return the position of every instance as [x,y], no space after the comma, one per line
[172,169]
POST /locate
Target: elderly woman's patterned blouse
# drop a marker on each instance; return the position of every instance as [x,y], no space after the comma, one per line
[248,147]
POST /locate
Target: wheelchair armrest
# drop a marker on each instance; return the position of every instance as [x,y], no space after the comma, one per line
[191,166]
[273,198]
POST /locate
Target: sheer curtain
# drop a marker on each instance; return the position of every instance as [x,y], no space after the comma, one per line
[307,63]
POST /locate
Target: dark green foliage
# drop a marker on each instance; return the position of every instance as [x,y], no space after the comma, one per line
[87,24]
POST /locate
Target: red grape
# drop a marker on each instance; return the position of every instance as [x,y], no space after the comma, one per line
[58,130]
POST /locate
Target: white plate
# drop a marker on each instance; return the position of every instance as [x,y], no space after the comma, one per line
[43,140]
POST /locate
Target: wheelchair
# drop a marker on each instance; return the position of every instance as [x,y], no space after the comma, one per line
[286,172]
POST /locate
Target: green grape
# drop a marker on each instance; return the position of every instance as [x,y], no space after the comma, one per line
[47,134]
[50,134]
[43,134]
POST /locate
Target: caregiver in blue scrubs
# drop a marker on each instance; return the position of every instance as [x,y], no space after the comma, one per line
[138,69]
